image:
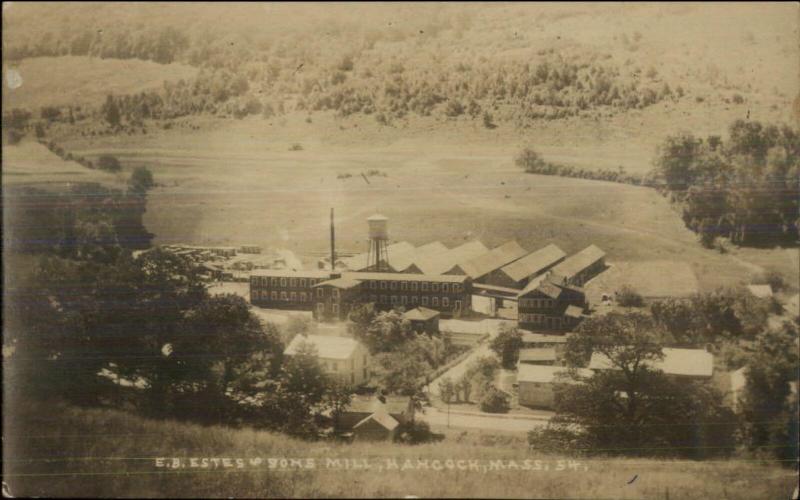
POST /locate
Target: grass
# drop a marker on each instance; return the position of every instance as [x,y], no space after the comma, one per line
[78,80]
[65,451]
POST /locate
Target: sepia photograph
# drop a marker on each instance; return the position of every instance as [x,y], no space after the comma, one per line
[401,250]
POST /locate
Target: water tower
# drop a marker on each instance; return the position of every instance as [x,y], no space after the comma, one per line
[378,255]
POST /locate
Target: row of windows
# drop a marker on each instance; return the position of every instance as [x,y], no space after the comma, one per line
[414,300]
[274,282]
[290,296]
[540,319]
[415,286]
[537,303]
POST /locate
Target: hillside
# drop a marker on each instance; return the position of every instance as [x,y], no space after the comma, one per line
[66,451]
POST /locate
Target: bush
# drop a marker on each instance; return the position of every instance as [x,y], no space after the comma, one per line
[628,297]
[108,163]
[415,432]
[495,401]
[772,278]
[296,147]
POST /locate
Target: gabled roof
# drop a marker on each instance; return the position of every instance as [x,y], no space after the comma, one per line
[534,262]
[385,420]
[493,259]
[361,261]
[686,362]
[420,314]
[439,278]
[549,286]
[288,273]
[342,283]
[420,254]
[574,264]
[439,263]
[545,374]
[328,346]
[537,354]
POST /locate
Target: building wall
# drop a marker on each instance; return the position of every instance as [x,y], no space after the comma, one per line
[372,431]
[450,299]
[334,304]
[536,394]
[499,278]
[588,273]
[537,311]
[354,370]
[282,292]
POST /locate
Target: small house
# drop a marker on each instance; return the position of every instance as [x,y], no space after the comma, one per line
[423,320]
[690,364]
[536,384]
[378,426]
[341,357]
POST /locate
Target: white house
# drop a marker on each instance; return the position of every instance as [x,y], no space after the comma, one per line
[536,383]
[343,357]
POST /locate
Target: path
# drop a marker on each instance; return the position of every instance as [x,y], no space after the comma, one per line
[510,423]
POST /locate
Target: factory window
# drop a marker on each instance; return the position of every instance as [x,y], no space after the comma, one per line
[274,295]
[550,304]
[424,286]
[320,293]
[383,299]
[445,302]
[294,296]
[274,281]
[373,285]
[283,281]
[383,285]
[435,287]
[283,295]
[320,309]
[414,286]
[445,288]
[335,293]
[335,309]
[424,300]
[293,282]
[404,300]
[302,296]
[394,299]
[302,282]
[393,285]
[404,286]
[373,298]
[458,305]
[414,299]
[435,301]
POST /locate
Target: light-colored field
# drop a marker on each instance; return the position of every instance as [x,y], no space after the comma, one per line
[103,453]
[78,80]
[652,279]
[32,163]
[240,183]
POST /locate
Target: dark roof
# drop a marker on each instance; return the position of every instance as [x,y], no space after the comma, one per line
[574,264]
[405,277]
[420,314]
[534,262]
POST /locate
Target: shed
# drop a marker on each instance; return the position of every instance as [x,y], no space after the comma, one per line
[423,319]
[537,383]
[378,426]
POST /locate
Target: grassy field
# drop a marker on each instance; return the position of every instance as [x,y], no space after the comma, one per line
[78,80]
[68,452]
[31,163]
[433,190]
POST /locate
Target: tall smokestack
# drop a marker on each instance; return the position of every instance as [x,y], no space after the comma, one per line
[333,245]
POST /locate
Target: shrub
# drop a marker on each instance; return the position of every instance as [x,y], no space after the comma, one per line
[454,108]
[495,401]
[415,432]
[772,278]
[488,120]
[296,147]
[738,99]
[108,163]
[628,297]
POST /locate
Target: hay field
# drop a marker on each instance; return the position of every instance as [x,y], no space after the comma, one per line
[241,183]
[66,451]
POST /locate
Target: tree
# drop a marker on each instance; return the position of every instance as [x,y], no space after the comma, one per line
[338,397]
[111,112]
[495,401]
[141,180]
[488,120]
[506,345]
[108,163]
[628,297]
[630,407]
[529,160]
[401,371]
[446,390]
[480,375]
[379,331]
[769,407]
